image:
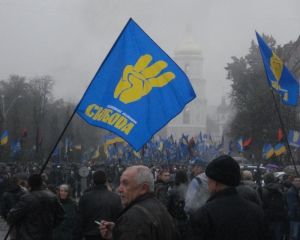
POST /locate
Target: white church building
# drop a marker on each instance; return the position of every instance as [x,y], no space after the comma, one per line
[192,119]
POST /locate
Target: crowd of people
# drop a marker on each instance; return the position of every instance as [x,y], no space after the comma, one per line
[202,200]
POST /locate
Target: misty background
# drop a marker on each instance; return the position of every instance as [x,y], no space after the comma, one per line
[68,40]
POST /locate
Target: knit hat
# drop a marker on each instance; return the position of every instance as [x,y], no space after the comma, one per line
[225,170]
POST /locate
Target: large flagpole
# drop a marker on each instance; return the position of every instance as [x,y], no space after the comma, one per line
[45,164]
[60,137]
[283,130]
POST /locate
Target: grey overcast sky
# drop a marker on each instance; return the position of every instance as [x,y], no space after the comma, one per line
[69,39]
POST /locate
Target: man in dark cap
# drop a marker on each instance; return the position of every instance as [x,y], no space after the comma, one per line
[38,212]
[197,193]
[226,215]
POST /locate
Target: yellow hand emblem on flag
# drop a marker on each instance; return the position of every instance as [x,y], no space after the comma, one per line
[276,66]
[295,136]
[138,80]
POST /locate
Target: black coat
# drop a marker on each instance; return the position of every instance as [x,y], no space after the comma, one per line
[161,192]
[38,212]
[227,215]
[145,218]
[97,204]
[249,193]
[10,198]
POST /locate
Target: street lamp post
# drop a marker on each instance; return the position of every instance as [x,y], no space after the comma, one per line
[5,112]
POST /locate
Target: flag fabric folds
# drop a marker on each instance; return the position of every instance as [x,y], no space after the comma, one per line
[4,138]
[77,146]
[293,138]
[111,139]
[137,90]
[24,134]
[247,144]
[279,77]
[239,144]
[279,134]
[279,149]
[268,151]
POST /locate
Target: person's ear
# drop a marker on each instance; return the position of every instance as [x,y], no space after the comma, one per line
[144,188]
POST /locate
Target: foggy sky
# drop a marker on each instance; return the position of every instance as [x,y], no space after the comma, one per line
[69,39]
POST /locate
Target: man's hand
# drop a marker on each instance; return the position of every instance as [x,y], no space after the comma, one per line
[106,229]
[138,80]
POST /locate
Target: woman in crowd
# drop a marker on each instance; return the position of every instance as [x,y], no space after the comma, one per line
[64,231]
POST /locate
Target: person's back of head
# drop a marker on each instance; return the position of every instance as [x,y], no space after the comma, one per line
[247,175]
[99,177]
[14,181]
[181,177]
[269,178]
[287,183]
[35,180]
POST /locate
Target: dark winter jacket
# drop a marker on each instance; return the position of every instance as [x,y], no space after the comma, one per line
[10,198]
[276,212]
[161,192]
[95,205]
[4,185]
[176,197]
[64,231]
[38,212]
[249,193]
[227,215]
[145,218]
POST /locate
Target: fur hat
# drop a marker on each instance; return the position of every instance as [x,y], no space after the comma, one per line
[225,170]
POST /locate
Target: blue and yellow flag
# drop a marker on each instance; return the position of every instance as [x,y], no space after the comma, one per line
[279,149]
[137,90]
[239,144]
[268,151]
[77,146]
[279,77]
[4,138]
[294,138]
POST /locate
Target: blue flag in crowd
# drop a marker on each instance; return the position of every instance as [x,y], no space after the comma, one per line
[280,78]
[293,138]
[137,90]
[239,144]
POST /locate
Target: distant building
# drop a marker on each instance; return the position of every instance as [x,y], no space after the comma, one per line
[291,57]
[192,119]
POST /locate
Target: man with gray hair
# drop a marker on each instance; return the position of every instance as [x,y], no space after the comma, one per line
[143,217]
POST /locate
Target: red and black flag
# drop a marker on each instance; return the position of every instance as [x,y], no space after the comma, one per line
[191,145]
[41,140]
[247,144]
[279,134]
[24,134]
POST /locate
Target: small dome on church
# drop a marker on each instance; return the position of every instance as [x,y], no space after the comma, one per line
[223,107]
[188,45]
